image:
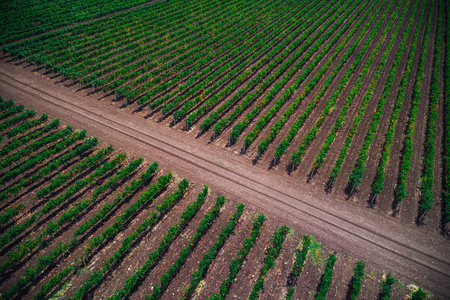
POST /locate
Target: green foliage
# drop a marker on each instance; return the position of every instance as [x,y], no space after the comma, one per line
[26,19]
[6,104]
[120,253]
[17,119]
[300,260]
[405,165]
[290,292]
[11,212]
[33,147]
[57,163]
[25,139]
[377,185]
[203,226]
[29,244]
[446,187]
[237,263]
[208,257]
[273,251]
[357,280]
[329,105]
[427,178]
[233,77]
[134,281]
[85,164]
[355,178]
[41,157]
[298,46]
[356,121]
[22,128]
[12,110]
[280,150]
[327,278]
[419,294]
[386,286]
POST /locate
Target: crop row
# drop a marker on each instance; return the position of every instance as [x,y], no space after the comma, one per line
[42,156]
[208,257]
[300,50]
[299,264]
[112,231]
[11,110]
[405,165]
[29,149]
[54,202]
[24,127]
[52,227]
[327,278]
[255,34]
[273,251]
[237,263]
[28,18]
[297,156]
[446,189]
[119,38]
[294,105]
[12,145]
[360,166]
[180,113]
[320,158]
[377,185]
[127,243]
[168,61]
[357,280]
[68,246]
[203,226]
[427,178]
[134,281]
[52,50]
[237,75]
[56,164]
[356,120]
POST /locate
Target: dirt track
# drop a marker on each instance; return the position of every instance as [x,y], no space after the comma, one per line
[411,253]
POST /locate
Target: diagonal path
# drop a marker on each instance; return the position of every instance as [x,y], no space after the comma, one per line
[412,254]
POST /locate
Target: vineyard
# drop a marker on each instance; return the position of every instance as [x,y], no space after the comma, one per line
[347,100]
[339,94]
[82,220]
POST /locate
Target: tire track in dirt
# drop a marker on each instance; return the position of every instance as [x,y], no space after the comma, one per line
[374,238]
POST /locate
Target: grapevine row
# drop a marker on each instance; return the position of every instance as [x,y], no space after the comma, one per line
[377,185]
[299,51]
[203,226]
[299,264]
[356,121]
[262,147]
[237,263]
[127,243]
[153,258]
[426,199]
[297,156]
[273,251]
[327,278]
[358,172]
[208,257]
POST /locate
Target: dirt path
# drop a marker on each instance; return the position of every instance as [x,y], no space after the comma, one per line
[411,253]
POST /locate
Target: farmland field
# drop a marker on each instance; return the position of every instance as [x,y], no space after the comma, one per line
[336,93]
[346,99]
[82,220]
